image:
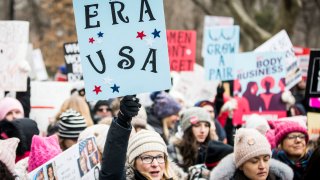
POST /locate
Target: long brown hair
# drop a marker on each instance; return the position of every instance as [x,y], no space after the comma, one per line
[188,147]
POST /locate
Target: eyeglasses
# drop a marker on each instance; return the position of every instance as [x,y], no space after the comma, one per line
[294,137]
[104,109]
[149,159]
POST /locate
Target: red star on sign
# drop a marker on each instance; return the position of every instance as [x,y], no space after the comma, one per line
[141,35]
[91,40]
[97,89]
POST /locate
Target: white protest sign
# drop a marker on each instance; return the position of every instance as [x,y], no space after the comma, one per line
[46,100]
[39,66]
[210,21]
[281,43]
[81,161]
[193,86]
[14,37]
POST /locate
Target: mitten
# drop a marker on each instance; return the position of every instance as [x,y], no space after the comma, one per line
[129,107]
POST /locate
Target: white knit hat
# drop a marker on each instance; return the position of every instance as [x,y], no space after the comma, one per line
[249,143]
[144,141]
[258,122]
[7,152]
[193,115]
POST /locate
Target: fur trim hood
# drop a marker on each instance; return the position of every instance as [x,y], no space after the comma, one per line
[227,168]
[177,171]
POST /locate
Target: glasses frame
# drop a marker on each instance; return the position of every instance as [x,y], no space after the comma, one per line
[153,157]
[295,137]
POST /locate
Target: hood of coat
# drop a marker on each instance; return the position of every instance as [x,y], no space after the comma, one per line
[175,170]
[227,168]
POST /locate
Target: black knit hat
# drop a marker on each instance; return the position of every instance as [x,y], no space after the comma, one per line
[23,129]
[215,152]
[102,103]
[71,124]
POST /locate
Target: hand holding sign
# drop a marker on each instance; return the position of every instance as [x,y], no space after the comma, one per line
[129,107]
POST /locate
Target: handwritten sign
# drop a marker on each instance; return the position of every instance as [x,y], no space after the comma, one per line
[281,43]
[218,42]
[303,55]
[78,162]
[123,47]
[73,61]
[313,125]
[14,38]
[182,49]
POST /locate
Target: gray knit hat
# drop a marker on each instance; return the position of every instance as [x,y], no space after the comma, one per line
[193,115]
[71,124]
[144,141]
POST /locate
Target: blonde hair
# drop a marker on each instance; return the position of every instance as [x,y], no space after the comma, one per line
[78,104]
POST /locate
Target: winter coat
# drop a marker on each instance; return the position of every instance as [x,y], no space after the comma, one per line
[114,156]
[226,170]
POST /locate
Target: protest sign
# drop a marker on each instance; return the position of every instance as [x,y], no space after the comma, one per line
[313,125]
[210,21]
[81,161]
[313,82]
[39,67]
[73,61]
[281,43]
[182,49]
[193,87]
[14,38]
[123,47]
[46,100]
[259,84]
[303,55]
[218,42]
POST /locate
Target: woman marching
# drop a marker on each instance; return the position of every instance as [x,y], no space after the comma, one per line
[147,156]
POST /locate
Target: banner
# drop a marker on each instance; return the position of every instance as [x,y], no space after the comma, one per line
[259,84]
[282,43]
[313,125]
[313,82]
[182,49]
[218,42]
[81,161]
[14,38]
[123,47]
[303,55]
[73,61]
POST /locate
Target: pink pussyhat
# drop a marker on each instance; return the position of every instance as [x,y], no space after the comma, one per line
[7,153]
[42,150]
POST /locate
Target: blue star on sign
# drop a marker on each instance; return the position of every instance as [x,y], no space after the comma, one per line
[156,33]
[115,88]
[100,34]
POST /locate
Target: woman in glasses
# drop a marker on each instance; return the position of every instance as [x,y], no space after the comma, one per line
[143,156]
[291,139]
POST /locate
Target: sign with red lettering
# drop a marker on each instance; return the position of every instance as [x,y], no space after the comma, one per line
[313,125]
[182,49]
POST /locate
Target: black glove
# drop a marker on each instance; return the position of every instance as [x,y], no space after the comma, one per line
[129,107]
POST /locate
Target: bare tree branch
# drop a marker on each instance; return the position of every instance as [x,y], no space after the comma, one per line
[202,6]
[258,34]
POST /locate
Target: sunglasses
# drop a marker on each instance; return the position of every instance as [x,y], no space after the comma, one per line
[104,109]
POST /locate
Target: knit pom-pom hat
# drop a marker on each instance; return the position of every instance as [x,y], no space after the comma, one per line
[285,128]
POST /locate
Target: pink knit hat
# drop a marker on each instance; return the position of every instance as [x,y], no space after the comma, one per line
[8,104]
[42,150]
[285,128]
[7,152]
[249,143]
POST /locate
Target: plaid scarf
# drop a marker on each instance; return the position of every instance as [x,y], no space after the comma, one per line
[298,167]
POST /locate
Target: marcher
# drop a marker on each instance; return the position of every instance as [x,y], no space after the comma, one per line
[251,160]
[163,114]
[10,109]
[101,110]
[312,169]
[291,139]
[147,156]
[192,148]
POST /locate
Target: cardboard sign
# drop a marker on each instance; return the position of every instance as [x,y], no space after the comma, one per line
[210,21]
[313,82]
[193,86]
[182,49]
[281,43]
[78,162]
[259,84]
[218,42]
[14,38]
[123,47]
[73,61]
[303,55]
[313,125]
